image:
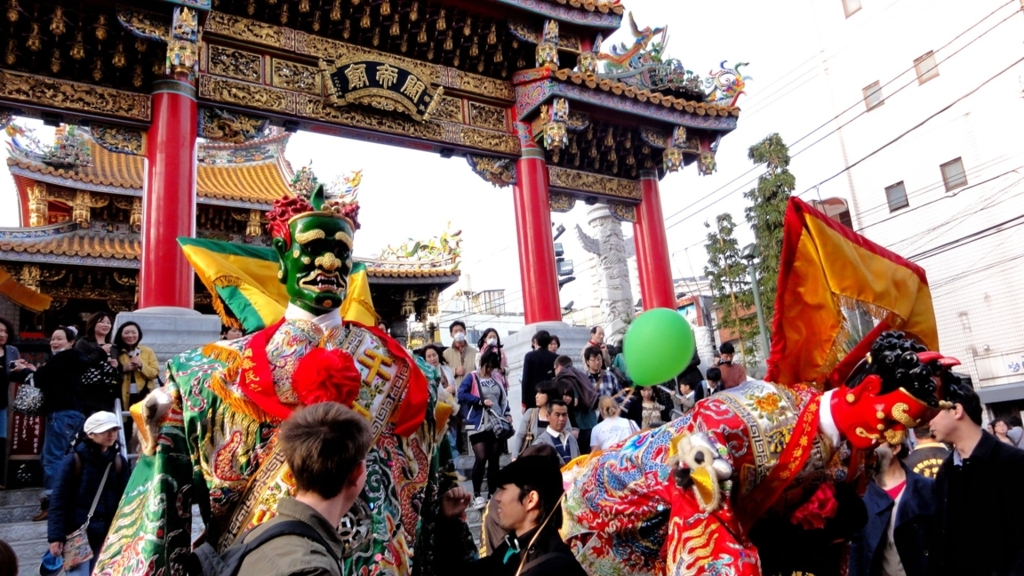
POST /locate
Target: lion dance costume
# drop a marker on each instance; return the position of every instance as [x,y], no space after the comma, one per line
[682,499]
[209,435]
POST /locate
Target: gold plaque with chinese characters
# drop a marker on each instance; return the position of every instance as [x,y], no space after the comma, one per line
[383,85]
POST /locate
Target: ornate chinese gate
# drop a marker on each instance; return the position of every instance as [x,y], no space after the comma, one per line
[512,85]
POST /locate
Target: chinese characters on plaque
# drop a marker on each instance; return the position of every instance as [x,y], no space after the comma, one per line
[382,85]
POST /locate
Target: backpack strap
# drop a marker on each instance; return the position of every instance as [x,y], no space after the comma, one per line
[288,528]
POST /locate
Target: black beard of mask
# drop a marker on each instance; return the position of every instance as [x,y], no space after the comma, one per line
[726,362]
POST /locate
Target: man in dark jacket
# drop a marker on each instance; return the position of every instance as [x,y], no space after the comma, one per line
[538,366]
[580,396]
[926,458]
[529,509]
[900,508]
[979,502]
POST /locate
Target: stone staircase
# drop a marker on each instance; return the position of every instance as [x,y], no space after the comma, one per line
[27,538]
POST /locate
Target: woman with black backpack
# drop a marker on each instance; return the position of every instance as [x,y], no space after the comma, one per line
[91,482]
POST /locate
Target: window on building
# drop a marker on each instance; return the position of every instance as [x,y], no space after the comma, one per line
[851,7]
[926,68]
[873,95]
[896,195]
[953,175]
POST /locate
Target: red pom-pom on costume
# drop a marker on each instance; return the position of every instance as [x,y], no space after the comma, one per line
[326,376]
[822,506]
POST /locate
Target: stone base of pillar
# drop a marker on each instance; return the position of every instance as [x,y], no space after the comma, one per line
[169,331]
[573,339]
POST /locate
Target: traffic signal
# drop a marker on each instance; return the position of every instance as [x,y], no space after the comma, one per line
[564,267]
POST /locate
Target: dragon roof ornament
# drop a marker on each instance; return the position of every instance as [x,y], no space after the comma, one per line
[644,65]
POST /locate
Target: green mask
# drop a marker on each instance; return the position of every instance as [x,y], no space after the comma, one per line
[315,268]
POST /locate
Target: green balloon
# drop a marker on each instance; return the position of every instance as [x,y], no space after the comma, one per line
[658,345]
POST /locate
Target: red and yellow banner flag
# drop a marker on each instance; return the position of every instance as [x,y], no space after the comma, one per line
[826,267]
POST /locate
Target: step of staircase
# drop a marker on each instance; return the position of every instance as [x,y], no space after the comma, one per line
[23,497]
[27,538]
[22,531]
[29,554]
[19,513]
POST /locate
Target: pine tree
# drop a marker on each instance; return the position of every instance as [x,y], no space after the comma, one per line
[767,214]
[730,288]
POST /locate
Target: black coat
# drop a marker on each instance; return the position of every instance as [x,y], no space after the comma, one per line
[60,380]
[911,534]
[979,506]
[538,366]
[548,555]
[73,496]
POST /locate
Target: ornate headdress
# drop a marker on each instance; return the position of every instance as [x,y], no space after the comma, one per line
[288,209]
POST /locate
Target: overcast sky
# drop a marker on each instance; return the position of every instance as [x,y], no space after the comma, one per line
[407,193]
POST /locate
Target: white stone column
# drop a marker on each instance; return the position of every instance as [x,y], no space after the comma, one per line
[612,271]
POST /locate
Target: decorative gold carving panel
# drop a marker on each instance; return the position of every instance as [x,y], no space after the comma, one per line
[74,96]
[235,64]
[476,84]
[450,109]
[297,77]
[249,95]
[486,116]
[485,140]
[246,30]
[594,183]
[315,108]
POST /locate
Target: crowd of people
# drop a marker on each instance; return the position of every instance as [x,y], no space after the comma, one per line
[90,375]
[910,520]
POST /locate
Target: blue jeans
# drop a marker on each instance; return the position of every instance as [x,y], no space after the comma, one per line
[61,428]
[3,423]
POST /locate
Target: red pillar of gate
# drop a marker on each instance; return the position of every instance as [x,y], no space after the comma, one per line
[168,199]
[536,247]
[651,242]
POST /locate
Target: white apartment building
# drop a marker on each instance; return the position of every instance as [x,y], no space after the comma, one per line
[929,123]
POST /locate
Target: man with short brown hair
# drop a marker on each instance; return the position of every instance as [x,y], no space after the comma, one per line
[325,446]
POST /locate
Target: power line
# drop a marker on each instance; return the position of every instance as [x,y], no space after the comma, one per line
[925,190]
[967,239]
[915,127]
[944,46]
[857,103]
[897,91]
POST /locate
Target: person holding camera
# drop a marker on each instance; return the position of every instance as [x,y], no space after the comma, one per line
[138,364]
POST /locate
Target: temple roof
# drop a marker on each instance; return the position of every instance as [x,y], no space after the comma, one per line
[114,245]
[254,173]
[644,95]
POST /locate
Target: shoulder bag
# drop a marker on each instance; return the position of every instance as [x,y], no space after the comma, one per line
[530,430]
[500,427]
[77,550]
[29,399]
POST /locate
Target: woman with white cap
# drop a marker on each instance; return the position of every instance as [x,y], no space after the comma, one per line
[92,479]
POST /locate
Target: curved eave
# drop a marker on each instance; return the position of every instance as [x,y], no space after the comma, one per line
[536,87]
[59,177]
[596,20]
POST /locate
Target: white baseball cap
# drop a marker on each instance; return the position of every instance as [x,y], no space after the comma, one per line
[101,422]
